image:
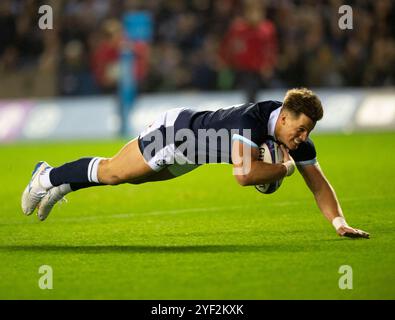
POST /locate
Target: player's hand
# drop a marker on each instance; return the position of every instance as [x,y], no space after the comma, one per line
[347,231]
[288,162]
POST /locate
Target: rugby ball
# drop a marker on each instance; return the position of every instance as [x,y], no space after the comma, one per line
[270,152]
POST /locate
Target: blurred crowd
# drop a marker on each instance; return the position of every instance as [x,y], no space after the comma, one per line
[201,44]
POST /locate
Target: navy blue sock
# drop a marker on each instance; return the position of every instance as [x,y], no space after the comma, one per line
[76,172]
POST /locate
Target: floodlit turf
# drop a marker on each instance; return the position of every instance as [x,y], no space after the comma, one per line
[202,236]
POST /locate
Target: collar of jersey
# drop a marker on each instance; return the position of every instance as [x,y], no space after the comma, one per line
[272,121]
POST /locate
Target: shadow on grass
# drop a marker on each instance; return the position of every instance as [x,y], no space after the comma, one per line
[128,249]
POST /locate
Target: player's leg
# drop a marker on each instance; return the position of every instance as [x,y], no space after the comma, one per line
[128,164]
[167,173]
[49,185]
[116,170]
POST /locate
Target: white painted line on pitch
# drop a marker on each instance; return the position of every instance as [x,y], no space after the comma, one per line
[171,212]
[186,210]
[191,210]
[148,213]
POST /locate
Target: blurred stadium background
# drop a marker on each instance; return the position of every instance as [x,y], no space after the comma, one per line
[202,53]
[74,83]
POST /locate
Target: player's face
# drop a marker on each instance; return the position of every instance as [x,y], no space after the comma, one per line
[293,130]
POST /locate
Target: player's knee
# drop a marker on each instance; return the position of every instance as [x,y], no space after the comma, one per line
[114,180]
[242,180]
[108,174]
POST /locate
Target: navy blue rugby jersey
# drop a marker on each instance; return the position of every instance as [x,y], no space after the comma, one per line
[208,126]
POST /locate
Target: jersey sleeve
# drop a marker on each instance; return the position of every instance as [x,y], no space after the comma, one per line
[305,154]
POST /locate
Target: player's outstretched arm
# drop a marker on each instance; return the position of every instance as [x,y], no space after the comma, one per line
[326,199]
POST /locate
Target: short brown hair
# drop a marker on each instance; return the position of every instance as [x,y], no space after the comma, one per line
[302,100]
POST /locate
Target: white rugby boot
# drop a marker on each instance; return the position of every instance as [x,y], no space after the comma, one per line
[52,197]
[34,191]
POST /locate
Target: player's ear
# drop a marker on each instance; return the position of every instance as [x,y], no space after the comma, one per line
[283,116]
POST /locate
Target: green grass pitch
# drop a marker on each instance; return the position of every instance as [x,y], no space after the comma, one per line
[202,236]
